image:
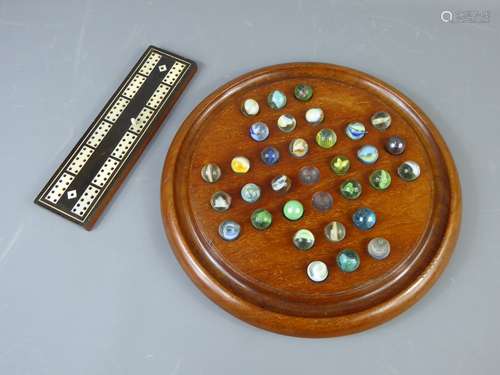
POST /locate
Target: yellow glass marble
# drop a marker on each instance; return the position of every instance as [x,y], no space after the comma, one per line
[240,164]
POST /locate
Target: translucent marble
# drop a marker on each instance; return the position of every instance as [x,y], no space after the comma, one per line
[298,147]
[326,138]
[335,231]
[315,116]
[229,230]
[409,171]
[250,193]
[368,154]
[340,165]
[270,155]
[381,120]
[379,248]
[355,130]
[364,218]
[317,271]
[211,173]
[351,189]
[261,219]
[348,260]
[250,107]
[303,239]
[395,145]
[276,99]
[281,184]
[303,92]
[293,210]
[309,175]
[322,201]
[286,123]
[380,179]
[220,201]
[259,131]
[240,164]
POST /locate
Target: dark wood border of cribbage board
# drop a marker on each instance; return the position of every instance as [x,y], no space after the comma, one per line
[85,175]
[247,301]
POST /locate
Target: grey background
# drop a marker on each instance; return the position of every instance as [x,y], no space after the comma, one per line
[114,300]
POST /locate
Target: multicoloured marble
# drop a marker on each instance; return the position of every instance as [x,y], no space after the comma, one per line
[240,164]
[409,171]
[261,219]
[229,230]
[293,210]
[340,165]
[250,192]
[395,145]
[211,173]
[351,189]
[317,271]
[270,155]
[303,92]
[381,120]
[259,131]
[322,201]
[379,248]
[309,175]
[303,239]
[364,218]
[335,231]
[326,138]
[368,154]
[276,99]
[286,123]
[298,147]
[315,116]
[355,130]
[281,184]
[380,179]
[250,107]
[348,260]
[220,201]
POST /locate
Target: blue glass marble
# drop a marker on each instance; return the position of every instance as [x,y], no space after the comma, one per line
[259,131]
[364,218]
[355,130]
[270,155]
[368,154]
[229,230]
[276,99]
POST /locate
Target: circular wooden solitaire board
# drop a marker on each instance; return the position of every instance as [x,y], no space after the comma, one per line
[261,277]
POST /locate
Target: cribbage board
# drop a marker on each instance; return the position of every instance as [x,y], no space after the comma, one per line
[87,179]
[279,265]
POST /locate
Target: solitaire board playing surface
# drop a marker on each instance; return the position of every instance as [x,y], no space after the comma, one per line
[326,249]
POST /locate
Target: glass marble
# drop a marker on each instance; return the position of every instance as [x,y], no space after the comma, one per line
[211,173]
[335,231]
[276,99]
[368,154]
[309,175]
[340,165]
[261,219]
[395,145]
[355,131]
[326,138]
[348,260]
[220,201]
[240,164]
[315,116]
[293,210]
[250,193]
[259,131]
[364,218]
[229,230]
[303,239]
[281,184]
[351,189]
[379,248]
[317,271]
[286,123]
[298,147]
[381,120]
[270,155]
[322,201]
[409,171]
[380,179]
[303,92]
[250,107]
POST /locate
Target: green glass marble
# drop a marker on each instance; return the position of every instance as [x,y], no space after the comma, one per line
[303,239]
[261,219]
[293,210]
[340,165]
[276,99]
[303,92]
[326,138]
[351,189]
[348,260]
[380,179]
